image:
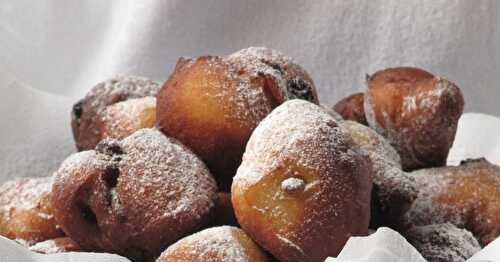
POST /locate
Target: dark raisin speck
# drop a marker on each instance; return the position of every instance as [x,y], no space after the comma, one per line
[111,175]
[473,160]
[298,88]
[109,147]
[87,214]
[78,109]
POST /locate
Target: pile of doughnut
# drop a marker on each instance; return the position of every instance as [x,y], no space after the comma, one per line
[234,159]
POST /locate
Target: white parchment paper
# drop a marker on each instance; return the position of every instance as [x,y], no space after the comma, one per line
[11,251]
[385,245]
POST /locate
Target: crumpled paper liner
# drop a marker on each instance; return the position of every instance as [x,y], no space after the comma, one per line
[11,251]
[478,135]
[35,137]
[385,245]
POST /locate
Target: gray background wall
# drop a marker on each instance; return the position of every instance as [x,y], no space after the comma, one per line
[64,47]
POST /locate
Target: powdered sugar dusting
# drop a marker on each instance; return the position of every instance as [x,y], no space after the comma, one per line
[300,123]
[289,243]
[466,196]
[262,53]
[26,210]
[430,187]
[293,184]
[81,162]
[24,194]
[47,247]
[121,88]
[443,242]
[422,121]
[250,99]
[372,143]
[240,95]
[123,118]
[142,193]
[369,109]
[274,66]
[390,180]
[57,245]
[87,111]
[430,99]
[256,60]
[214,244]
[171,177]
[301,141]
[384,158]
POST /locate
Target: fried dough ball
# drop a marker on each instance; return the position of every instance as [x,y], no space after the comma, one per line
[212,104]
[91,119]
[373,144]
[352,108]
[303,187]
[216,244]
[391,192]
[417,112]
[133,197]
[26,211]
[466,196]
[124,118]
[285,78]
[56,245]
[404,75]
[443,242]
[223,211]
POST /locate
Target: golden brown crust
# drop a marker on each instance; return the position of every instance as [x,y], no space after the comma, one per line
[87,112]
[392,189]
[466,196]
[26,211]
[285,79]
[56,245]
[212,104]
[200,105]
[303,188]
[416,112]
[133,197]
[124,118]
[401,75]
[352,108]
[217,244]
